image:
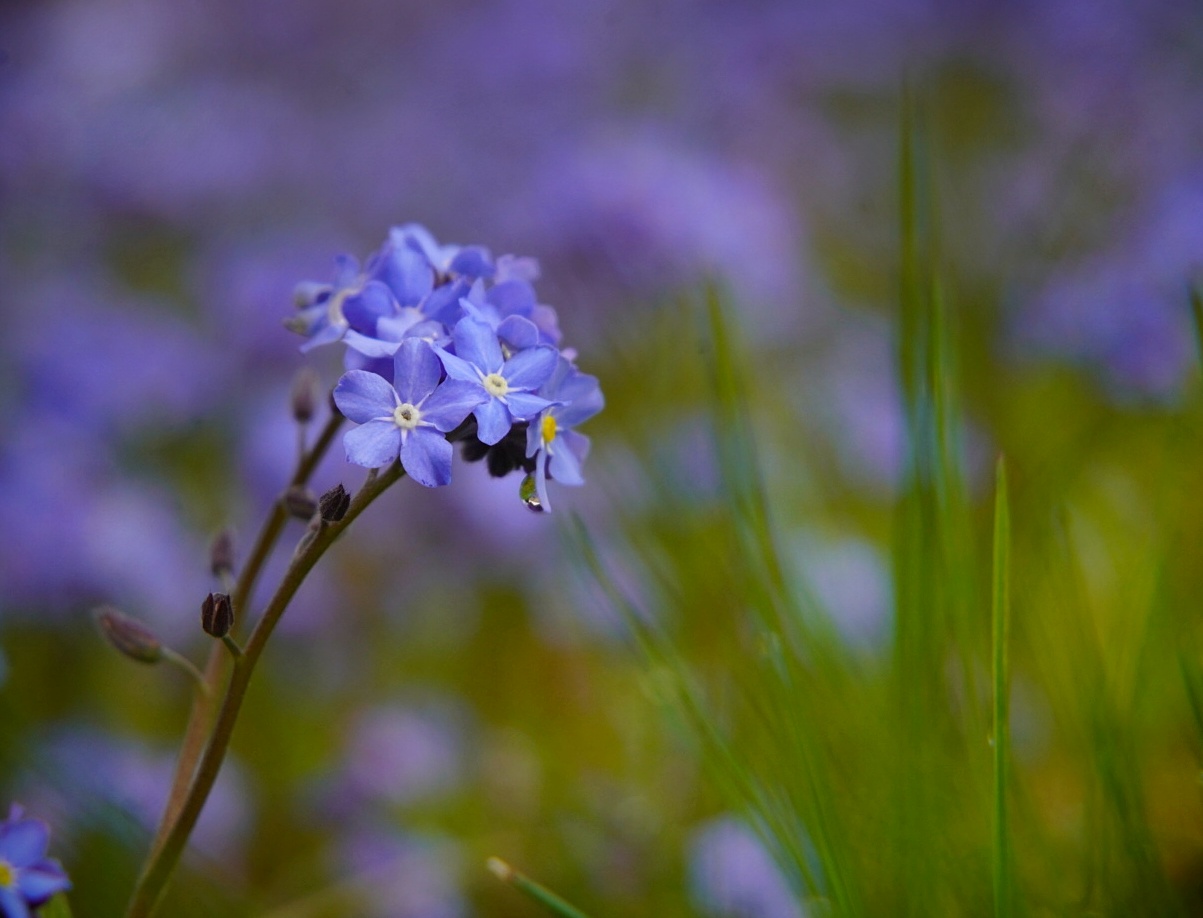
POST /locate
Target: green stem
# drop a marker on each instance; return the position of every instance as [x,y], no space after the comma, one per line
[1001,622]
[217,667]
[187,666]
[536,891]
[163,861]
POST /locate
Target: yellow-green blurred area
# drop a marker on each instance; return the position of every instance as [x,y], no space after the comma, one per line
[829,263]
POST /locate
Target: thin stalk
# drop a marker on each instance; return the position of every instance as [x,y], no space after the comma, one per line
[217,667]
[187,666]
[536,891]
[1001,620]
[219,663]
[162,862]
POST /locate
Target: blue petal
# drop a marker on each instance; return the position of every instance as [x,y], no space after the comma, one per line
[430,330]
[327,335]
[426,457]
[584,399]
[363,309]
[374,444]
[451,403]
[541,483]
[513,298]
[548,323]
[531,368]
[524,405]
[534,437]
[518,333]
[443,302]
[12,903]
[369,347]
[394,328]
[477,343]
[475,312]
[417,370]
[493,421]
[24,843]
[346,271]
[37,884]
[458,368]
[407,271]
[517,267]
[473,261]
[363,396]
[564,465]
[419,239]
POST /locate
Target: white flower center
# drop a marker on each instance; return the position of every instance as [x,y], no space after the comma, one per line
[406,416]
[496,385]
[334,308]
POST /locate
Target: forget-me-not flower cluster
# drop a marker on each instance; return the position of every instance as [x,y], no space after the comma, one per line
[446,343]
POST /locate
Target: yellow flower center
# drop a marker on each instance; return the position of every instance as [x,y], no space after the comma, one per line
[406,416]
[548,429]
[496,385]
[8,875]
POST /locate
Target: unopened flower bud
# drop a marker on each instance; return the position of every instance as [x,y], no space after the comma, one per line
[300,502]
[128,635]
[221,554]
[217,615]
[334,504]
[306,389]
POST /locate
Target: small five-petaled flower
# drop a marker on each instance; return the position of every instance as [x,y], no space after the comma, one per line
[28,879]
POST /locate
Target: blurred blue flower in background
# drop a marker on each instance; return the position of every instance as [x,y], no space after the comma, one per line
[731,875]
[28,878]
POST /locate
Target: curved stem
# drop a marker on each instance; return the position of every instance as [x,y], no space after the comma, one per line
[217,667]
[162,862]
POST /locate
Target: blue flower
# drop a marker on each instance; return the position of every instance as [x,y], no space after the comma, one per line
[346,310]
[557,449]
[506,386]
[407,419]
[28,878]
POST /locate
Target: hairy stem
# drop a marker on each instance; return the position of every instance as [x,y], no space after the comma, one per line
[162,862]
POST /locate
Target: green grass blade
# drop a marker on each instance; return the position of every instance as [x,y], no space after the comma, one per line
[1196,309]
[1001,626]
[536,891]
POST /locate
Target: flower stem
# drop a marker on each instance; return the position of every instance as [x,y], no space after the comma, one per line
[187,666]
[217,667]
[164,858]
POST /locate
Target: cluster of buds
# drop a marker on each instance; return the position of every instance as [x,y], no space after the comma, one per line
[446,343]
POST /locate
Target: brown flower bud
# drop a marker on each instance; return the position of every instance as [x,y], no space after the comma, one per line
[217,615]
[221,554]
[306,389]
[300,502]
[334,503]
[128,635]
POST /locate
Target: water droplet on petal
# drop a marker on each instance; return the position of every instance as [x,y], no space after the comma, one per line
[529,494]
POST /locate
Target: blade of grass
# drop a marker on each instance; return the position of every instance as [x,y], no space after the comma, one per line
[917,694]
[1196,308]
[1001,626]
[536,891]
